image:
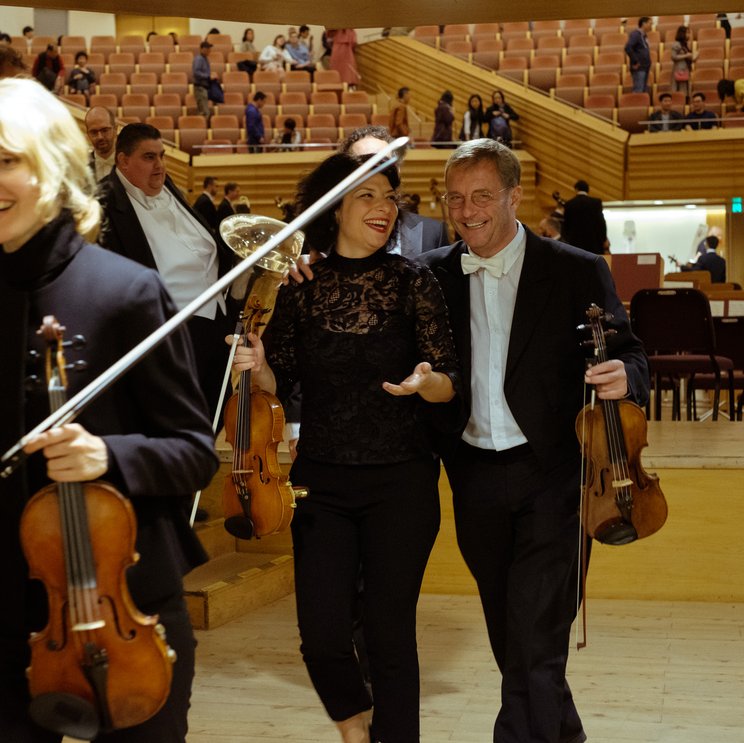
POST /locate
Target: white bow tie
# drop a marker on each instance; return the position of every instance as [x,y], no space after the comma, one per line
[471,263]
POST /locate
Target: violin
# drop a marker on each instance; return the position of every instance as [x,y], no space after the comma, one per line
[621,502]
[257,498]
[99,664]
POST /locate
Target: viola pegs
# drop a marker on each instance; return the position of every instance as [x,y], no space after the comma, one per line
[31,382]
[77,366]
[77,342]
[33,355]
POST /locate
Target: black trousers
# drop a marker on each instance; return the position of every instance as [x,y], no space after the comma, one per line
[384,518]
[211,354]
[518,530]
[169,725]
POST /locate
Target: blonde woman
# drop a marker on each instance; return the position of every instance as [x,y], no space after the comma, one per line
[149,435]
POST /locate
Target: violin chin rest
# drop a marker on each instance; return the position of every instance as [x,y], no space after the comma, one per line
[66,714]
[616,533]
[241,527]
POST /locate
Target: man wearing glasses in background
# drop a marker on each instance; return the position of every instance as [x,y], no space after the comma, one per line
[100,128]
[515,301]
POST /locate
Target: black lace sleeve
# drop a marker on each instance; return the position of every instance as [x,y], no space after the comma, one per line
[280,340]
[433,333]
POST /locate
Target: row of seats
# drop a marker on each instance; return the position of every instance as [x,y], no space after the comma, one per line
[156,62]
[117,83]
[491,52]
[611,83]
[226,132]
[172,104]
[546,72]
[633,109]
[133,44]
[665,25]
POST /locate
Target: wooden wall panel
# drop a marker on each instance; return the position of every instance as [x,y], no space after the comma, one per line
[566,143]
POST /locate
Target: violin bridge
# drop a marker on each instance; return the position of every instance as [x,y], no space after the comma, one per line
[626,483]
[85,626]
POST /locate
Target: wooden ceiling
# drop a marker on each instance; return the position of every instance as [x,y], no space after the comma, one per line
[374,13]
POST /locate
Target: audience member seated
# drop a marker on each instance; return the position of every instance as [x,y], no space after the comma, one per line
[700,117]
[274,56]
[300,54]
[49,69]
[247,45]
[666,119]
[81,78]
[709,261]
[290,136]
[498,117]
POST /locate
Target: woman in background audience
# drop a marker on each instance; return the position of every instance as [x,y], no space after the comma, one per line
[499,116]
[247,44]
[683,57]
[342,55]
[274,56]
[473,120]
[444,116]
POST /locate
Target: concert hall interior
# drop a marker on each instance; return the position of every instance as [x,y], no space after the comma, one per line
[664,615]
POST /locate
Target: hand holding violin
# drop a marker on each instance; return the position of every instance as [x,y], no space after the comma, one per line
[73,454]
[432,386]
[609,379]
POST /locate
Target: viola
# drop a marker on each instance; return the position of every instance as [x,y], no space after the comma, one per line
[257,497]
[99,664]
[621,502]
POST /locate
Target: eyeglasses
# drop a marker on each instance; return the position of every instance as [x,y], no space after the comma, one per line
[479,198]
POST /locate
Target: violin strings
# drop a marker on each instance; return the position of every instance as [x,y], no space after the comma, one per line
[615,440]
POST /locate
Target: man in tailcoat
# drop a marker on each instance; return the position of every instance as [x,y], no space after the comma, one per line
[515,301]
[584,224]
[147,219]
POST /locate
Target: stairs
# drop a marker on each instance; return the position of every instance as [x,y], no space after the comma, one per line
[241,575]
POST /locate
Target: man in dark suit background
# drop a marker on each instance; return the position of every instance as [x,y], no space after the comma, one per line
[147,219]
[709,261]
[584,224]
[513,461]
[204,203]
[226,207]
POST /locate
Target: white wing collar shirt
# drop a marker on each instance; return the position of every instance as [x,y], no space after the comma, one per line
[493,293]
[184,251]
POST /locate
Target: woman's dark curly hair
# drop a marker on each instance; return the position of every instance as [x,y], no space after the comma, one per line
[322,233]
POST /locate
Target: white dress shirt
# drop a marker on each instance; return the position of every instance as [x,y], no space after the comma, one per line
[185,253]
[492,425]
[103,165]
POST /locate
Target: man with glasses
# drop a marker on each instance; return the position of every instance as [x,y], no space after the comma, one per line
[515,301]
[100,128]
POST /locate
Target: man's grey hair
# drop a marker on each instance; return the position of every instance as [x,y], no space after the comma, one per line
[477,151]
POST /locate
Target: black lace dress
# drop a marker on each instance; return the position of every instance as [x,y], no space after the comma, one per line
[359,323]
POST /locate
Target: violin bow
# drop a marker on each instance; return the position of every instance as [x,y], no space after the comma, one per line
[390,154]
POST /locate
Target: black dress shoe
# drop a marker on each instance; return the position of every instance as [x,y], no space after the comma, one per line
[201,514]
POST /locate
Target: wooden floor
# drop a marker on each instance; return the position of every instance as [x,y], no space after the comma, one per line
[669,671]
[653,672]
